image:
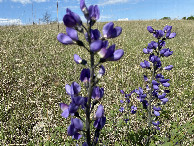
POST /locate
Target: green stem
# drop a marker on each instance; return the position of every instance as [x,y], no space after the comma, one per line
[150,105]
[89,91]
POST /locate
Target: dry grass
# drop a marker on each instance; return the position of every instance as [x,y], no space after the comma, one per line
[34,68]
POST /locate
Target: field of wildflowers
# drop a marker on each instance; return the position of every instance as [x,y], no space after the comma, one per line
[35,68]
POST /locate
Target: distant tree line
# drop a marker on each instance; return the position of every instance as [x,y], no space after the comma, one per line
[184,18]
[188,18]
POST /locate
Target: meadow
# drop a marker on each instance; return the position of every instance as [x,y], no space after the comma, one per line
[35,67]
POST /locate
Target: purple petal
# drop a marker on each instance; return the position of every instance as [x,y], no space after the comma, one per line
[96,34]
[107,29]
[96,45]
[71,130]
[140,90]
[110,52]
[64,39]
[169,67]
[172,35]
[121,109]
[68,89]
[77,18]
[78,100]
[102,70]
[100,111]
[150,29]
[82,5]
[72,33]
[117,55]
[156,113]
[162,96]
[85,144]
[77,59]
[85,75]
[155,87]
[145,78]
[69,21]
[116,32]
[156,108]
[147,64]
[63,106]
[65,113]
[142,64]
[167,28]
[168,53]
[73,108]
[78,124]
[122,92]
[155,82]
[166,84]
[121,101]
[156,123]
[76,88]
[77,136]
[164,100]
[96,14]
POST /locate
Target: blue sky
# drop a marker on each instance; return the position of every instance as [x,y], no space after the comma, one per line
[20,11]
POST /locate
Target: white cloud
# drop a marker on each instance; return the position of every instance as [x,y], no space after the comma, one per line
[10,21]
[111,2]
[124,19]
[1,0]
[28,1]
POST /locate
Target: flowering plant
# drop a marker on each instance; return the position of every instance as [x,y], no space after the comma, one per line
[97,45]
[154,94]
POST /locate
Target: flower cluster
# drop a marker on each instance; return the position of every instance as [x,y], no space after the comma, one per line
[97,45]
[155,92]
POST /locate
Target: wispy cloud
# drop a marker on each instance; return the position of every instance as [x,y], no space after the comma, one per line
[1,0]
[10,21]
[71,7]
[112,2]
[28,1]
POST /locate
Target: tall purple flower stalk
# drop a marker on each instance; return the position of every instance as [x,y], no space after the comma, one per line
[97,45]
[155,92]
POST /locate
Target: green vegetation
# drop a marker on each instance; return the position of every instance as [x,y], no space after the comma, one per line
[165,18]
[188,18]
[34,68]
